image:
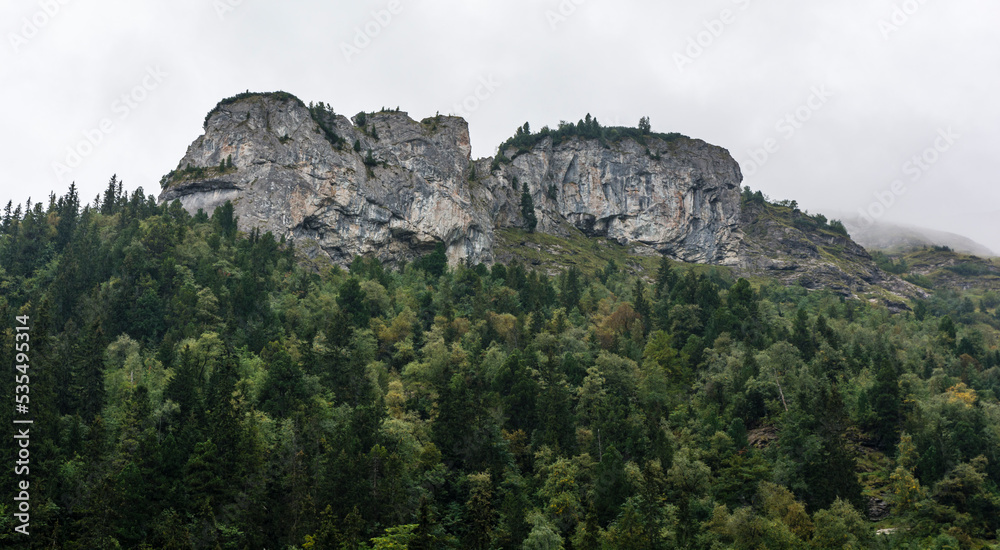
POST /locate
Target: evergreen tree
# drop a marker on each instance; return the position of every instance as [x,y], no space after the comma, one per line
[644,125]
[885,396]
[802,336]
[528,209]
[88,373]
[283,387]
[434,263]
[640,304]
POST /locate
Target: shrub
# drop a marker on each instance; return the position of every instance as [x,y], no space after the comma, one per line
[279,96]
[587,128]
[837,226]
[919,280]
[969,269]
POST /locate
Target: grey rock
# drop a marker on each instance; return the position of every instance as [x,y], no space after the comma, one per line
[680,198]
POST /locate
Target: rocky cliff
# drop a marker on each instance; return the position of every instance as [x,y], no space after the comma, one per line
[386,185]
[786,244]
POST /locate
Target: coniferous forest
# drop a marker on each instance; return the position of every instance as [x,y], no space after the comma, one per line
[195,386]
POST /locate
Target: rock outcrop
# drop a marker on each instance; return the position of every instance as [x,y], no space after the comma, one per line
[785,244]
[386,185]
[679,197]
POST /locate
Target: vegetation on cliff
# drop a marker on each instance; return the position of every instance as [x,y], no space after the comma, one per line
[587,128]
[277,96]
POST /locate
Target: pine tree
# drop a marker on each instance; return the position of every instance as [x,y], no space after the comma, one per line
[802,336]
[640,304]
[528,208]
[665,278]
[479,514]
[885,396]
[425,536]
[283,389]
[644,125]
[88,372]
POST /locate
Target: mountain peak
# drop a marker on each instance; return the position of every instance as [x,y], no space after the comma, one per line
[384,184]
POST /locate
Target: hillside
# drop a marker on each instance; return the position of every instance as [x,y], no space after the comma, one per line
[196,386]
[941,268]
[386,185]
[783,243]
[889,237]
[346,333]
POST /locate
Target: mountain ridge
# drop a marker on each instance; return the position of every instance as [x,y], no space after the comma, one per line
[386,185]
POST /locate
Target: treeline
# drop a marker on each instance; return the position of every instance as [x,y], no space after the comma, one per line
[194,386]
[278,96]
[524,141]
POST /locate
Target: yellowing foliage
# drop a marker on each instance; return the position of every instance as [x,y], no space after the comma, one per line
[960,393]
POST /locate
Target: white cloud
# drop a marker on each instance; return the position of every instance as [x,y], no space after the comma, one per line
[613,60]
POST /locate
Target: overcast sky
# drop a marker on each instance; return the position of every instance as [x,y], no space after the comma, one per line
[833,104]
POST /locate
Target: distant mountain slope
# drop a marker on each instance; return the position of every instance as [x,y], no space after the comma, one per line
[940,268]
[897,238]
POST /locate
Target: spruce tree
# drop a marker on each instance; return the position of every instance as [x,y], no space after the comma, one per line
[528,209]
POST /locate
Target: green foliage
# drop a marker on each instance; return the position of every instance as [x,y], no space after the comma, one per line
[195,386]
[970,269]
[395,538]
[277,96]
[497,161]
[644,125]
[890,265]
[326,119]
[588,128]
[528,210]
[434,263]
[837,226]
[919,280]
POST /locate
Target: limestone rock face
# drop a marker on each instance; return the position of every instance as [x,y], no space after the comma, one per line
[682,197]
[389,186]
[289,178]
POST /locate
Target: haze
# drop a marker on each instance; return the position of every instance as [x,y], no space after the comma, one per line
[888,107]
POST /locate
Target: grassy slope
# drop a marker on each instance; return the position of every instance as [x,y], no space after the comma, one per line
[956,270]
[552,253]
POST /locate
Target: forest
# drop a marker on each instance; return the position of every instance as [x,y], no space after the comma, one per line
[195,386]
